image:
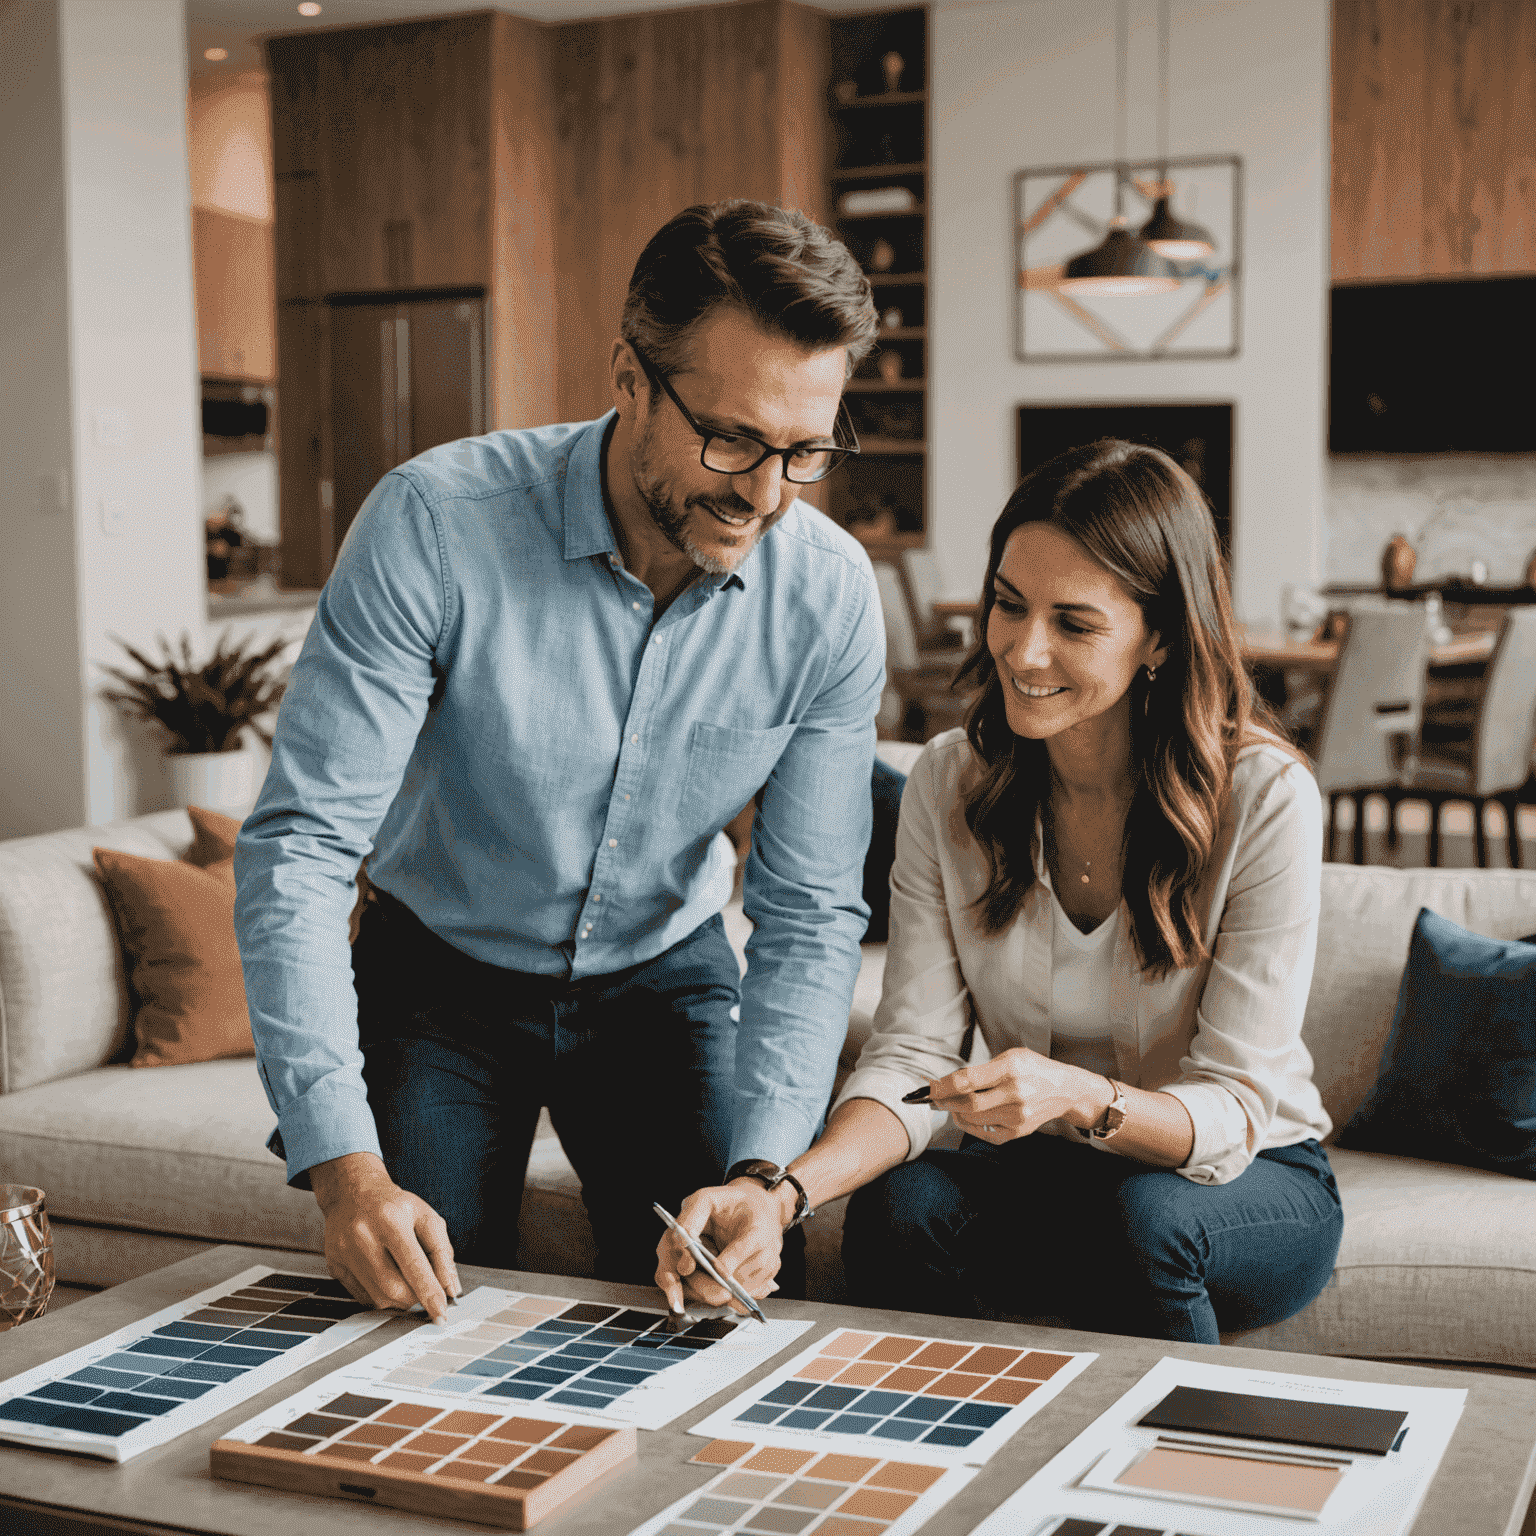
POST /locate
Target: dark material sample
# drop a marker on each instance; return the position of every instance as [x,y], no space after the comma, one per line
[1329,1426]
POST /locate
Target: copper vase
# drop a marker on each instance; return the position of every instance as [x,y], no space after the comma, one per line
[1397,562]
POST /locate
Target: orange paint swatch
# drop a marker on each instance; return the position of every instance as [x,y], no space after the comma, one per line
[460,1423]
[847,1344]
[991,1360]
[412,1415]
[863,1373]
[721,1453]
[1038,1366]
[876,1504]
[1006,1391]
[822,1368]
[773,1458]
[909,1476]
[840,1525]
[942,1357]
[838,1468]
[909,1379]
[955,1386]
[891,1348]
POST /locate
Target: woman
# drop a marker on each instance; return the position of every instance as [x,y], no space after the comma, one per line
[1113,873]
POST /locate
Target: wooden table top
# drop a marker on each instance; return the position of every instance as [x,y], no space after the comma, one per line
[1483,1486]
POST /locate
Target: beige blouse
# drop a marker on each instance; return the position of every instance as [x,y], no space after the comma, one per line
[1223,1036]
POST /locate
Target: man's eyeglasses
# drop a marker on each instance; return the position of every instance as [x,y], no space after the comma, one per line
[739,453]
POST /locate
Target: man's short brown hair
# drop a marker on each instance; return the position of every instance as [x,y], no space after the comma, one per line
[794,278]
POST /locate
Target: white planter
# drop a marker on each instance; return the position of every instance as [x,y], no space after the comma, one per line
[217,781]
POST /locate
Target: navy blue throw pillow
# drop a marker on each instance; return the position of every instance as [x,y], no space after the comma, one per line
[1457,1082]
[886,787]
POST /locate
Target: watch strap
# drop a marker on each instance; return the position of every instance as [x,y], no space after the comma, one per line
[1114,1115]
[770,1176]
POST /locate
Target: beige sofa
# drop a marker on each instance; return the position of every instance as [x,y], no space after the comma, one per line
[145,1167]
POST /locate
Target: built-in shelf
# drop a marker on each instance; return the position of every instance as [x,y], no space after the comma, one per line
[876,172]
[885,99]
[897,279]
[904,333]
[919,212]
[892,447]
[885,386]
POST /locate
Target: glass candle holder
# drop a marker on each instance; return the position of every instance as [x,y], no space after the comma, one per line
[26,1255]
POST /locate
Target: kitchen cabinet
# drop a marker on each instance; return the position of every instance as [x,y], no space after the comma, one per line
[1434,139]
[232,264]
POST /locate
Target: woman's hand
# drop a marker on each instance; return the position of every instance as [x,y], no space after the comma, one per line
[1015,1093]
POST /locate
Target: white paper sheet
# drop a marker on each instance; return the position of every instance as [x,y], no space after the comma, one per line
[559,1357]
[124,1401]
[875,1394]
[840,1489]
[1378,1496]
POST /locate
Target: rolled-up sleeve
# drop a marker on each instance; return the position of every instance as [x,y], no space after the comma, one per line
[924,1010]
[1248,1024]
[803,889]
[348,724]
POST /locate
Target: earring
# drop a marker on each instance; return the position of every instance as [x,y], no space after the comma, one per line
[1151,674]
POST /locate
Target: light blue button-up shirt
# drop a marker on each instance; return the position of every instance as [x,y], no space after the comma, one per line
[540,769]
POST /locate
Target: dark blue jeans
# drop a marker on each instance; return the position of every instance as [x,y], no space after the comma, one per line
[1047,1225]
[636,1068]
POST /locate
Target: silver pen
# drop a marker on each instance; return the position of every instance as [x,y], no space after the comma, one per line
[703,1258]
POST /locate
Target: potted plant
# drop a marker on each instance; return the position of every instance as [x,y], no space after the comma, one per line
[204,709]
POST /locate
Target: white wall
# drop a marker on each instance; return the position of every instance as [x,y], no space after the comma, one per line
[1019,83]
[42,782]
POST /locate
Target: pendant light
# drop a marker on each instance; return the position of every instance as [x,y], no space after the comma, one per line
[1122,265]
[1169,235]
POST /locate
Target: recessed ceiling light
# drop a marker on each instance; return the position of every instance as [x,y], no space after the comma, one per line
[309,8]
[215,55]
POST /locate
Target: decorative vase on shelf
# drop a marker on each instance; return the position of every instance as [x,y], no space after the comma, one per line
[892,64]
[845,91]
[1397,563]
[883,257]
[889,365]
[26,1255]
[891,321]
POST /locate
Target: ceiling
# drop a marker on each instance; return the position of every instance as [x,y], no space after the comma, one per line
[238,25]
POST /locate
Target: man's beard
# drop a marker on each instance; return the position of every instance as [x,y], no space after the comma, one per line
[672,522]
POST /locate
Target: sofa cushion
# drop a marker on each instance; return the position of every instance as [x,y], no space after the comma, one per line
[1457,1082]
[63,995]
[179,1150]
[1437,1262]
[177,923]
[1367,919]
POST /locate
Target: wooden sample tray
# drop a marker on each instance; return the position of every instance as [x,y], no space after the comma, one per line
[495,1468]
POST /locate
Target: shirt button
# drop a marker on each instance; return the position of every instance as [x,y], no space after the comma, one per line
[613,842]
[585,931]
[626,797]
[635,606]
[598,896]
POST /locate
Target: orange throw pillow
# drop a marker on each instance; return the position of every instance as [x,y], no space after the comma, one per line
[178,929]
[213,836]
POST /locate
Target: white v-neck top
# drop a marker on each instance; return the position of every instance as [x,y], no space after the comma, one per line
[1082,976]
[1223,1036]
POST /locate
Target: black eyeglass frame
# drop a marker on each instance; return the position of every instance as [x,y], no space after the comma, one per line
[841,451]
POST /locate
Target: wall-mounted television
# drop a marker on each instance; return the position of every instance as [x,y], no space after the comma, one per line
[1442,367]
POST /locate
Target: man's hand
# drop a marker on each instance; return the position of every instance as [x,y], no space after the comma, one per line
[745,1225]
[389,1248]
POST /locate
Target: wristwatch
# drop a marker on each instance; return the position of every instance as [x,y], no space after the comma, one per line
[1114,1116]
[770,1176]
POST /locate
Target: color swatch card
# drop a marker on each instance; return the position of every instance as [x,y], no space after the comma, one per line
[499,1467]
[798,1492]
[587,1362]
[865,1393]
[1214,1450]
[156,1379]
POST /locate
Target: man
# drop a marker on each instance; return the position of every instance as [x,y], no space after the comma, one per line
[549,667]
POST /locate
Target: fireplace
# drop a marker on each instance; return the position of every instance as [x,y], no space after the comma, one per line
[1199,437]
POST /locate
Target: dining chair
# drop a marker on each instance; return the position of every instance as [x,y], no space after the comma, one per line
[924,586]
[921,681]
[1368,723]
[1496,761]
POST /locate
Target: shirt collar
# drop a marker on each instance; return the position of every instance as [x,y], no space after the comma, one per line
[588,527]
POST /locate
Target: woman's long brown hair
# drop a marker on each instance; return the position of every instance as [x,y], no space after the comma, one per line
[1142,518]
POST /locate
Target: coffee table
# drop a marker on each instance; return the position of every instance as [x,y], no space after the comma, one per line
[1483,1488]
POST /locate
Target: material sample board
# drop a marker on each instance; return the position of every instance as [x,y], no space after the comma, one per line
[581,1361]
[798,1492]
[1138,1468]
[156,1379]
[499,1468]
[953,1403]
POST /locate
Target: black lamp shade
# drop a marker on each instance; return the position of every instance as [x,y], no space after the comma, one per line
[1122,265]
[1175,238]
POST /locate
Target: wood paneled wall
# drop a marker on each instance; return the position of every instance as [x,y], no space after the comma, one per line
[659,111]
[1434,138]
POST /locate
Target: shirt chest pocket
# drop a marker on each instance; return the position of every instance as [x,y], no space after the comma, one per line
[726,767]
